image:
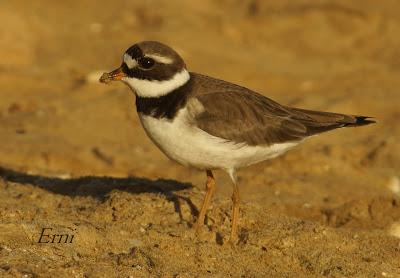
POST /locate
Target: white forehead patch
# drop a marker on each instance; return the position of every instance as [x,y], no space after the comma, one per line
[131,63]
[155,88]
[160,59]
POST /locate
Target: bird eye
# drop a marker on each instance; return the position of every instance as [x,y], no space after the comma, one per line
[146,62]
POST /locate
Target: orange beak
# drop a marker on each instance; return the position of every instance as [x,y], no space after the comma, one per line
[115,75]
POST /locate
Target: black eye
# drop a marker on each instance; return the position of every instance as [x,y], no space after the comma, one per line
[146,62]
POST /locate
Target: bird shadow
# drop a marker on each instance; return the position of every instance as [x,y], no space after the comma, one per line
[100,187]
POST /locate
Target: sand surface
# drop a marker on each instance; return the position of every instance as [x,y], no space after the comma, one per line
[74,158]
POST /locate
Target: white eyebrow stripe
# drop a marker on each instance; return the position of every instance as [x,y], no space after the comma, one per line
[131,63]
[160,59]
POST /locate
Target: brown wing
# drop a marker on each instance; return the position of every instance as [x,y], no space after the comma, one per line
[241,115]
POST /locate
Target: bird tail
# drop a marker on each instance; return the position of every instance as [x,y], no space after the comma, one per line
[360,121]
[317,121]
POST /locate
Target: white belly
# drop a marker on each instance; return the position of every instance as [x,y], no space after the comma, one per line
[192,146]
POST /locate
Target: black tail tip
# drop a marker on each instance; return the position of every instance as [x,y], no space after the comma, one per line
[362,120]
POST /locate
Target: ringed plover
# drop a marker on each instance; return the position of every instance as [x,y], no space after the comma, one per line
[209,124]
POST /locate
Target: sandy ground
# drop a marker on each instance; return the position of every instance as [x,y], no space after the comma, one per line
[74,158]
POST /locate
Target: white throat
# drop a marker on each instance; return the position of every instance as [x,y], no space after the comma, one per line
[155,88]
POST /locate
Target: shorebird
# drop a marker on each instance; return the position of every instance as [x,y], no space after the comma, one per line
[209,124]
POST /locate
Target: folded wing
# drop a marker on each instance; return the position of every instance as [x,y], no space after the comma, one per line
[245,116]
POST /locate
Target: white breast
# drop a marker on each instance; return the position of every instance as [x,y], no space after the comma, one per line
[185,143]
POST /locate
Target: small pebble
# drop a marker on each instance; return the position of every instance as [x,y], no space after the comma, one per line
[394,230]
[394,185]
[94,76]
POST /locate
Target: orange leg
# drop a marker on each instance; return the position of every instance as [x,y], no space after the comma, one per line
[210,185]
[235,213]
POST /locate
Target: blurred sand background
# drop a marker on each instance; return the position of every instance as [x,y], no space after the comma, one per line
[74,157]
